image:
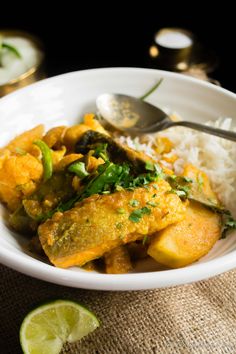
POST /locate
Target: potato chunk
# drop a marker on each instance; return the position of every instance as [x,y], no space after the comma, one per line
[185,242]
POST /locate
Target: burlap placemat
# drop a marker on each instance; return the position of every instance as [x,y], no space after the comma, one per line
[196,318]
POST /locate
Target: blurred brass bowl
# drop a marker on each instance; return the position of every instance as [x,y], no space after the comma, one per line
[172,58]
[34,74]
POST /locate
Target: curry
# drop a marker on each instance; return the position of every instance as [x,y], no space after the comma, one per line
[82,196]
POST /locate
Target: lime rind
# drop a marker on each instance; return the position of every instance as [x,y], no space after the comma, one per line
[45,329]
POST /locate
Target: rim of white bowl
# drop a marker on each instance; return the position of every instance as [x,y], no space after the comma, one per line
[131,281]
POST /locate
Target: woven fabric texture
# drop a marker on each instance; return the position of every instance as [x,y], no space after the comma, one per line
[197,318]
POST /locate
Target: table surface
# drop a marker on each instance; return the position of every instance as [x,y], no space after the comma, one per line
[193,319]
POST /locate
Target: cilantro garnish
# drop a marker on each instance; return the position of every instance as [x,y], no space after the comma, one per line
[152,203]
[79,169]
[137,214]
[120,211]
[134,202]
[228,223]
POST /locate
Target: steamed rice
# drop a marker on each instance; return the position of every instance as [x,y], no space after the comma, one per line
[215,156]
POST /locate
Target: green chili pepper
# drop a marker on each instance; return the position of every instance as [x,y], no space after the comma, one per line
[47,159]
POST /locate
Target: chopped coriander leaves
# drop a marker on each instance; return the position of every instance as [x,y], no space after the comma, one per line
[155,186]
[133,202]
[180,193]
[187,179]
[145,240]
[119,188]
[134,218]
[152,203]
[20,151]
[154,195]
[119,225]
[149,166]
[228,223]
[172,177]
[101,151]
[146,210]
[179,185]
[137,214]
[79,169]
[200,182]
[120,211]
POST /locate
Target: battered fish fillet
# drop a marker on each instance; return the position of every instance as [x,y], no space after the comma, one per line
[103,222]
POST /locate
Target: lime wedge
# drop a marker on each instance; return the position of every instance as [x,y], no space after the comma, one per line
[45,329]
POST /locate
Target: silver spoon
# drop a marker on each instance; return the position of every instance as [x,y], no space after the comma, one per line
[133,115]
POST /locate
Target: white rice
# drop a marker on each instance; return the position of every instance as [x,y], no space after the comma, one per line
[215,156]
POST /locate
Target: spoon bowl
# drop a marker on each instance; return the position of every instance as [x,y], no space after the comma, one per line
[133,115]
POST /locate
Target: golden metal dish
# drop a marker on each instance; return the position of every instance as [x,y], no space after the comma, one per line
[33,74]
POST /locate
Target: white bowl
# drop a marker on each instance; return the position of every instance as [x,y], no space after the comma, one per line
[63,100]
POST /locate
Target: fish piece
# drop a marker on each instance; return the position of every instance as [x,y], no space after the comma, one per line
[185,242]
[102,222]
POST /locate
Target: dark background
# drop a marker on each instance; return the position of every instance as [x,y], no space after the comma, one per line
[79,37]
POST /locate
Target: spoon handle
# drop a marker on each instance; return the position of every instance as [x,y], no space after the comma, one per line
[206,129]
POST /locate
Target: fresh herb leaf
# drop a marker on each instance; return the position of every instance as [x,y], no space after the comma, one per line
[134,218]
[228,223]
[137,214]
[200,181]
[12,49]
[79,169]
[120,211]
[119,225]
[187,179]
[149,166]
[20,151]
[180,193]
[180,185]
[119,188]
[134,202]
[152,203]
[46,158]
[111,177]
[145,240]
[101,151]
[108,175]
[152,89]
[145,210]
